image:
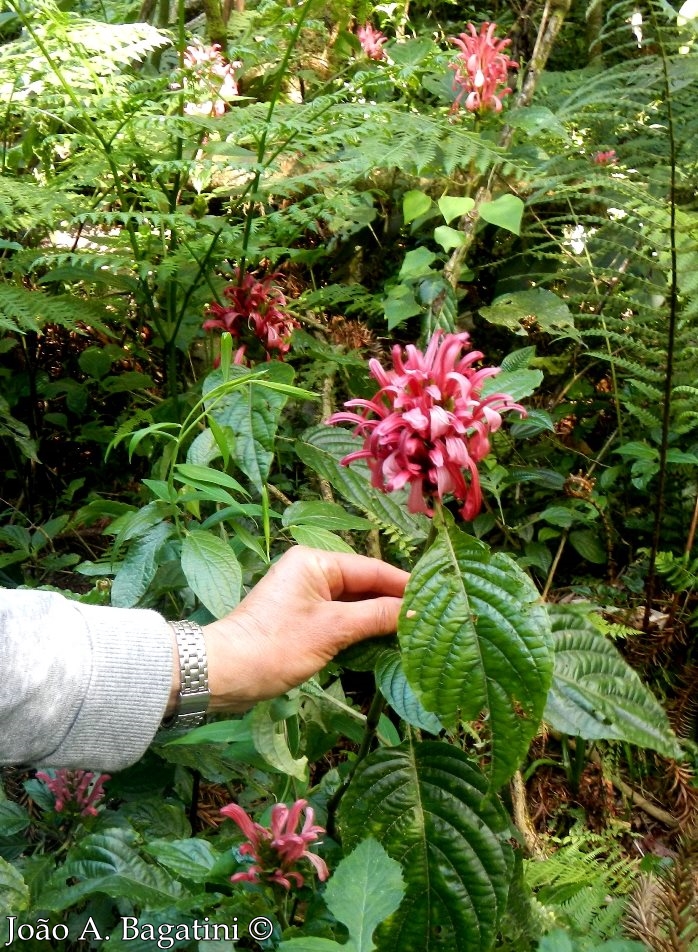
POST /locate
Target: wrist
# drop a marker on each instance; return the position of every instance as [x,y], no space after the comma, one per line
[189,689]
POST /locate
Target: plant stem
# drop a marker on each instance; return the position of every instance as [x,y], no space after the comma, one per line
[261,148]
[370,730]
[671,335]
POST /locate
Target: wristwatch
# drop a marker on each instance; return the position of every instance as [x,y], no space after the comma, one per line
[194,695]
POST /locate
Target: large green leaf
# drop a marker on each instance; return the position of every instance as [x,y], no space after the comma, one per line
[252,414]
[396,689]
[327,515]
[476,639]
[271,742]
[192,859]
[551,313]
[138,569]
[318,538]
[427,805]
[364,890]
[107,863]
[212,571]
[322,447]
[505,211]
[595,694]
[13,818]
[14,892]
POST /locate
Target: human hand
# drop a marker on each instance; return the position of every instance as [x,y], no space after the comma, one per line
[310,605]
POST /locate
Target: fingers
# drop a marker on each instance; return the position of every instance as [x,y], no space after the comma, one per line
[351,575]
[349,622]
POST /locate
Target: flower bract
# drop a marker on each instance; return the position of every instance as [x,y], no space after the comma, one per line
[75,791]
[210,79]
[276,850]
[372,41]
[428,425]
[481,69]
[256,310]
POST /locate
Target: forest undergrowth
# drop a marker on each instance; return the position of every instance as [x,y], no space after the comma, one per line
[411,280]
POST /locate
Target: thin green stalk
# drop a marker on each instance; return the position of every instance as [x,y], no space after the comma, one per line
[261,148]
[94,128]
[370,731]
[671,334]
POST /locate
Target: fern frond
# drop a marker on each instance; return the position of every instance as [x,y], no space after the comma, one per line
[22,310]
[584,882]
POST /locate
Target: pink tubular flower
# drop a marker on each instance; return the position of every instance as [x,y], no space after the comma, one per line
[372,41]
[431,423]
[210,78]
[481,69]
[255,306]
[75,791]
[605,158]
[277,849]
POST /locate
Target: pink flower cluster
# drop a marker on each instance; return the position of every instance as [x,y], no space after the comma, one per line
[428,425]
[372,41]
[76,791]
[277,849]
[605,158]
[481,69]
[210,79]
[255,305]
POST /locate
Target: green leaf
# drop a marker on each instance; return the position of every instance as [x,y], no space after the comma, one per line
[417,264]
[107,863]
[13,818]
[220,732]
[212,571]
[97,361]
[323,447]
[518,384]
[475,638]
[448,237]
[427,805]
[14,892]
[595,694]
[195,475]
[399,305]
[587,543]
[414,205]
[396,689]
[536,119]
[252,413]
[551,313]
[138,569]
[455,206]
[505,211]
[271,742]
[365,889]
[535,422]
[189,859]
[318,538]
[519,359]
[126,382]
[140,435]
[326,515]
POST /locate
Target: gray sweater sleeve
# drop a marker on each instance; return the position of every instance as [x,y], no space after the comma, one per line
[82,685]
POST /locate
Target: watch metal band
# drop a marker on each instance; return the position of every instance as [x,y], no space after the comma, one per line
[194,696]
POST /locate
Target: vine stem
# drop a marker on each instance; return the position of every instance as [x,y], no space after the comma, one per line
[553,17]
[370,731]
[671,336]
[261,149]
